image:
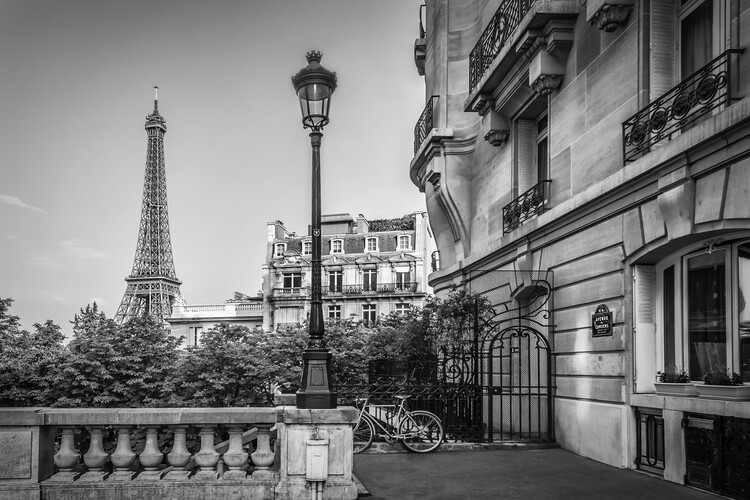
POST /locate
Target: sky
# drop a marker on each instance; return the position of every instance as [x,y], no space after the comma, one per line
[76,82]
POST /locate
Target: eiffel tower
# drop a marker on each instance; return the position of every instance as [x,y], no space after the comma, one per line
[152,286]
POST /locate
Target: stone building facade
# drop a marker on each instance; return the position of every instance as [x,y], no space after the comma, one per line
[605,143]
[369,268]
[191,321]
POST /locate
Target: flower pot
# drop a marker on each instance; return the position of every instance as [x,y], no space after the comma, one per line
[725,392]
[676,389]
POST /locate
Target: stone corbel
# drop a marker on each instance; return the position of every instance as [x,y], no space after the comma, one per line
[607,15]
[497,127]
[483,103]
[547,59]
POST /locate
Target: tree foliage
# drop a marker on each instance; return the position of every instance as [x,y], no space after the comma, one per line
[27,359]
[140,364]
[226,369]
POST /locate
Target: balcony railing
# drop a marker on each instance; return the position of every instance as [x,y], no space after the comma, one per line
[696,96]
[410,287]
[115,453]
[531,203]
[214,310]
[424,124]
[492,40]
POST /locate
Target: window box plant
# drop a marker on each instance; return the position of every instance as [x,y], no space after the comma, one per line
[720,383]
[674,382]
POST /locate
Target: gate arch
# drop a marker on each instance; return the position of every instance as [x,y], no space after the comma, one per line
[515,349]
[519,381]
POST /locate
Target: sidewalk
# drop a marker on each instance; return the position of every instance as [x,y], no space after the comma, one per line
[507,474]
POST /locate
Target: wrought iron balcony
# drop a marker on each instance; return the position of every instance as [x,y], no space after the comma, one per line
[531,203]
[424,124]
[695,97]
[489,45]
[409,287]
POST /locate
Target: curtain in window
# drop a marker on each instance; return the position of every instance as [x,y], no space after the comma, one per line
[695,39]
[707,310]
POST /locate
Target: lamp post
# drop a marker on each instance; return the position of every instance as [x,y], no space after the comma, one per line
[314,85]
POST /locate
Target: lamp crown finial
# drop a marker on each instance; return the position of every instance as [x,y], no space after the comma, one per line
[314,55]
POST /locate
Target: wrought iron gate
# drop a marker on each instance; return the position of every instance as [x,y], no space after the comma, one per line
[513,341]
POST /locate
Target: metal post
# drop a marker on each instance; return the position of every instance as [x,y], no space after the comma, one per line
[315,391]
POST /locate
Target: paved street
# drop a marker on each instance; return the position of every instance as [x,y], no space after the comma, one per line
[507,474]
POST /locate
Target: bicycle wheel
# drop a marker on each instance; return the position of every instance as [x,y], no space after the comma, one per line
[425,431]
[363,434]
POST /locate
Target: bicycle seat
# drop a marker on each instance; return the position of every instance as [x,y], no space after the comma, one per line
[403,397]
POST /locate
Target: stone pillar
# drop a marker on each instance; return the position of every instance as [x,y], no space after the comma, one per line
[295,428]
[67,457]
[207,457]
[96,458]
[179,457]
[123,457]
[151,457]
[263,456]
[235,457]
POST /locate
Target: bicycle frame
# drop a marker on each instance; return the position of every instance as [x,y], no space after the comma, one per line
[401,412]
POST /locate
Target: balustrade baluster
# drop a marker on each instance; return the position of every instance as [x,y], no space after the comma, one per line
[179,457]
[263,456]
[207,457]
[96,458]
[123,457]
[151,457]
[235,457]
[67,456]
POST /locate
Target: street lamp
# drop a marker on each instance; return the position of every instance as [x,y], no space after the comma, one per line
[314,85]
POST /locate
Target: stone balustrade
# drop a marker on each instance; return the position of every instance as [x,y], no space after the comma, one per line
[61,454]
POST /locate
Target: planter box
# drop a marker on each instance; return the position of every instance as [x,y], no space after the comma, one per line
[725,392]
[675,389]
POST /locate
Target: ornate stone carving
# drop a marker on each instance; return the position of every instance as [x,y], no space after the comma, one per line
[610,16]
[546,84]
[497,137]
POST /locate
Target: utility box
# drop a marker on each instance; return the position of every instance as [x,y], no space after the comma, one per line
[317,460]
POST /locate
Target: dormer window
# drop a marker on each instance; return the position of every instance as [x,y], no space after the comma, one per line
[337,246]
[404,242]
[306,247]
[371,244]
[279,249]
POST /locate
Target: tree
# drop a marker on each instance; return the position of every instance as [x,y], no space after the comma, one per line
[27,360]
[227,369]
[109,365]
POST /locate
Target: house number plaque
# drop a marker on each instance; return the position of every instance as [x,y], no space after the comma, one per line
[601,321]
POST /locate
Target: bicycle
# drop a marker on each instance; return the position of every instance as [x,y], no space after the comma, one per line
[418,431]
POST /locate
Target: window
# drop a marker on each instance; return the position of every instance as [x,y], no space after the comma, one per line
[702,317]
[334,312]
[532,159]
[194,336]
[402,281]
[404,242]
[371,244]
[402,308]
[286,315]
[292,280]
[279,249]
[699,32]
[370,280]
[335,281]
[369,313]
[337,246]
[306,247]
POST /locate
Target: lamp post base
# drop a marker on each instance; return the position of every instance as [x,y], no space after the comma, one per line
[316,391]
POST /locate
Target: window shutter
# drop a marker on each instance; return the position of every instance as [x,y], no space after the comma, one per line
[526,132]
[644,320]
[663,50]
